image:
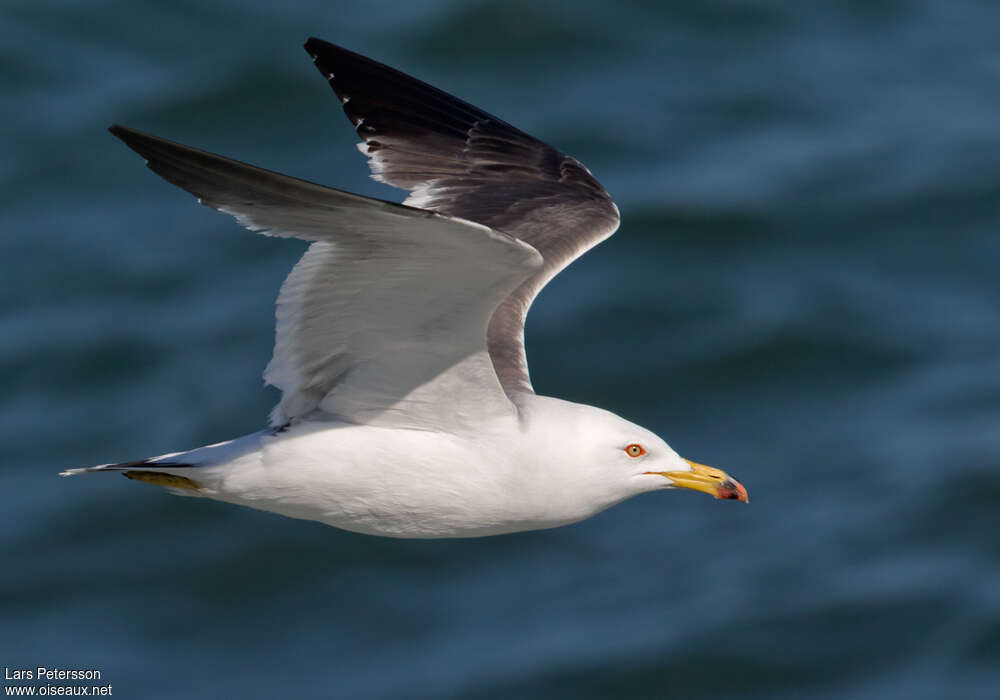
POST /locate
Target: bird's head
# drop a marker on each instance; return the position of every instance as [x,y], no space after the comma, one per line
[586,459]
[649,464]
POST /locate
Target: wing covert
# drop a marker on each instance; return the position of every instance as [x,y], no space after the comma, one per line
[384,318]
[458,160]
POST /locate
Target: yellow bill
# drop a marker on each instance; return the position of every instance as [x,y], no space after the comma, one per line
[708,479]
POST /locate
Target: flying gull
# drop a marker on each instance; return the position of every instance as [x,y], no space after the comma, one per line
[406,407]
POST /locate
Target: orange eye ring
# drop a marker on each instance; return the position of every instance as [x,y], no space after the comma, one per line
[635,450]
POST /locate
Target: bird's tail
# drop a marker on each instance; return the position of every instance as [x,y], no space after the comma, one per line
[151,471]
[184,473]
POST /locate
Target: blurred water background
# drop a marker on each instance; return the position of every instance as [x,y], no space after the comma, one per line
[805,291]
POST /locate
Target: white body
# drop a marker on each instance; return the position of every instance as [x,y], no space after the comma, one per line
[487,479]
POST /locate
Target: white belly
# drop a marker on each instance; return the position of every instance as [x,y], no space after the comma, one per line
[397,483]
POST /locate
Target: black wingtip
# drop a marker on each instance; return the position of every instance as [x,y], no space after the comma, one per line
[152,147]
[313,46]
[324,50]
[129,136]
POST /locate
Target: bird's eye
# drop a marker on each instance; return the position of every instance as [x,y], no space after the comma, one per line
[635,450]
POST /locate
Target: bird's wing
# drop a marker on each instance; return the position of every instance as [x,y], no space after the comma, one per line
[457,160]
[384,318]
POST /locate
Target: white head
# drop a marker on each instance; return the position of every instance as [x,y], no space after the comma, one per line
[612,459]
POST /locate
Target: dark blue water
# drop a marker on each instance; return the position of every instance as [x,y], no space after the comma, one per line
[805,291]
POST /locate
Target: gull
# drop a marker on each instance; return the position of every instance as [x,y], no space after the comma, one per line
[406,406]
